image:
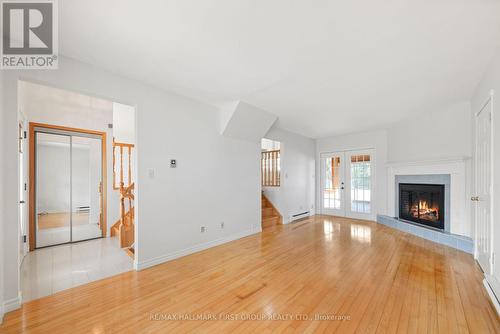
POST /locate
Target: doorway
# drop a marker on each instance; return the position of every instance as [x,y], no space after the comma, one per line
[483,190]
[67,185]
[347,183]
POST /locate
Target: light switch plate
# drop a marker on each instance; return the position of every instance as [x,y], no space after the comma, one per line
[151,173]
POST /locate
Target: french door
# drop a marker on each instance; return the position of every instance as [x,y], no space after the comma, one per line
[68,188]
[483,185]
[347,181]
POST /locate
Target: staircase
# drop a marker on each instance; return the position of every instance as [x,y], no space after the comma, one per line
[270,216]
[124,227]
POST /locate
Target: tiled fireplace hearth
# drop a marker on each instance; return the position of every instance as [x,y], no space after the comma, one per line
[453,240]
[429,199]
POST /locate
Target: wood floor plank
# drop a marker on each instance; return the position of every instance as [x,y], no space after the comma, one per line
[300,277]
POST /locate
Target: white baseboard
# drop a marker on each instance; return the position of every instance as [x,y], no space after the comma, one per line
[197,248]
[493,288]
[12,304]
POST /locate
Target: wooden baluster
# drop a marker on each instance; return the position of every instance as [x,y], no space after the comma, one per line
[279,168]
[121,166]
[275,168]
[114,164]
[129,165]
[264,168]
[122,204]
[261,169]
[272,168]
[267,168]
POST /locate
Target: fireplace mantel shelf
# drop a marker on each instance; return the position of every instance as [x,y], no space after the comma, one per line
[459,159]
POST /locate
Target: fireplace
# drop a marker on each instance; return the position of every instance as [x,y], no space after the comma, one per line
[422,203]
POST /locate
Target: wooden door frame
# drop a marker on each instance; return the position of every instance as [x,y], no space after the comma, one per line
[32,193]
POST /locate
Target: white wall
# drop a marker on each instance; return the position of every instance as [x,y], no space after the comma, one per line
[444,133]
[269,145]
[123,123]
[296,192]
[367,140]
[49,105]
[491,81]
[217,178]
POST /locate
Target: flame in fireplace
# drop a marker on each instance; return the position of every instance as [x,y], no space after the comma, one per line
[422,210]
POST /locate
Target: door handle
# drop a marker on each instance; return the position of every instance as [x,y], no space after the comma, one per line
[22,202]
[474,198]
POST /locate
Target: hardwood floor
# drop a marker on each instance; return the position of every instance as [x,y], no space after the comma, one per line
[373,278]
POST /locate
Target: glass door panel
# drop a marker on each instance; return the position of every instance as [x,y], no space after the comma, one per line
[86,188]
[360,183]
[332,186]
[53,189]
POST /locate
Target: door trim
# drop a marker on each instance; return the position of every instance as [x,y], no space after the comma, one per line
[489,102]
[333,212]
[373,184]
[32,192]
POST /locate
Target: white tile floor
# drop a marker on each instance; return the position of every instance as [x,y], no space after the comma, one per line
[60,235]
[49,270]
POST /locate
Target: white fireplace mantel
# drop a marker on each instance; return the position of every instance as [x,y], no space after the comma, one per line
[459,170]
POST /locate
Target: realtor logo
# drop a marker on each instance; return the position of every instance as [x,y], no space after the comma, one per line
[29,34]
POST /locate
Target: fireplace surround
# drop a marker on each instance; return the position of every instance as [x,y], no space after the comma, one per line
[423,204]
[454,174]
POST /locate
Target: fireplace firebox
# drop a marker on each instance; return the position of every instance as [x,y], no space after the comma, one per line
[422,203]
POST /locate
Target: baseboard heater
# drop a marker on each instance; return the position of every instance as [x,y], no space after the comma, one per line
[83,209]
[300,214]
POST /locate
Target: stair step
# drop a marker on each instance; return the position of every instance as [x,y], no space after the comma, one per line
[270,216]
[270,221]
[267,212]
[130,251]
[115,230]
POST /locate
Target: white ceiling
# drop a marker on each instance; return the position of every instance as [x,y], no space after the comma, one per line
[323,66]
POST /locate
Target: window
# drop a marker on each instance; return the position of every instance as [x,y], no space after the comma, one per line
[270,168]
[122,164]
[360,183]
[332,193]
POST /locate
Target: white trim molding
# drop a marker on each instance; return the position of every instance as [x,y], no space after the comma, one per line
[458,168]
[493,288]
[190,250]
[12,304]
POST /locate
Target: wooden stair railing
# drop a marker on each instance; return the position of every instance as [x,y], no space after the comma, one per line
[124,227]
[270,168]
[122,164]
